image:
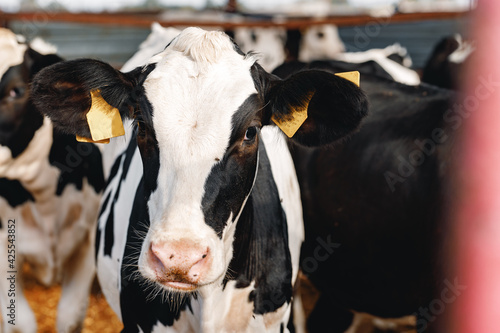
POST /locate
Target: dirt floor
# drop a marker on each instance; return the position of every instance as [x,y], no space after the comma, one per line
[101,319]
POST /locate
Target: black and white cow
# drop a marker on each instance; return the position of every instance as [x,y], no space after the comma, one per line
[316,42]
[268,43]
[445,67]
[372,62]
[49,198]
[200,226]
[383,58]
[373,206]
[275,46]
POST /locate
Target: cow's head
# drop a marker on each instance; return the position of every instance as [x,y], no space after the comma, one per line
[267,43]
[199,107]
[320,42]
[18,119]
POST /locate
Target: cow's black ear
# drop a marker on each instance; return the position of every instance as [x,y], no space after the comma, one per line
[334,105]
[34,61]
[63,92]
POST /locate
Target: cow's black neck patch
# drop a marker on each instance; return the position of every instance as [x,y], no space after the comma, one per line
[104,205]
[98,231]
[261,251]
[114,170]
[109,236]
[76,160]
[14,192]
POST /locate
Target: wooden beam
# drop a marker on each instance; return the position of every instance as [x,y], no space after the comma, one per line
[145,19]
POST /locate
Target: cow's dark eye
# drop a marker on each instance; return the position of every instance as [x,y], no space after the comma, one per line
[250,133]
[16,92]
[320,35]
[253,36]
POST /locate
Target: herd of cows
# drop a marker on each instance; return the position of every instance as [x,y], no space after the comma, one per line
[200,213]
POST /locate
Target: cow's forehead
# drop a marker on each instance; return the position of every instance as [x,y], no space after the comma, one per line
[11,52]
[199,82]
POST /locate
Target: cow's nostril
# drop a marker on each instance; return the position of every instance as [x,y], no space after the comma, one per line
[155,260]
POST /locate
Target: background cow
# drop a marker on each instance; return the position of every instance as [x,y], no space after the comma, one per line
[275,47]
[377,62]
[205,192]
[317,42]
[268,43]
[49,196]
[377,200]
[446,65]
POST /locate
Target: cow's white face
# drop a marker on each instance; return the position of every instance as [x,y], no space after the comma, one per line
[320,42]
[18,119]
[268,43]
[198,85]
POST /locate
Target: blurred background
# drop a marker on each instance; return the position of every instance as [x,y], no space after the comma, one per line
[113,30]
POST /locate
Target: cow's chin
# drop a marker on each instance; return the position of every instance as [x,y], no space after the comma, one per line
[178,285]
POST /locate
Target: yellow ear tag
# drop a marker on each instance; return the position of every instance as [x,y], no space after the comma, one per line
[299,115]
[351,76]
[104,120]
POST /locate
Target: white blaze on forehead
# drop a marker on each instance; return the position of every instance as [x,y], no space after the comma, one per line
[199,82]
[11,52]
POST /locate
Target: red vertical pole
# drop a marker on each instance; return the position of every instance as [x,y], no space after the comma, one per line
[477,209]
